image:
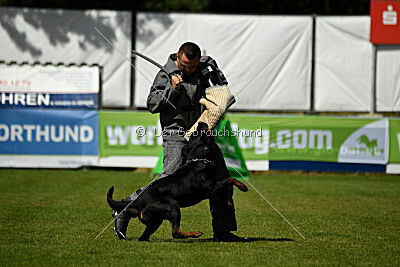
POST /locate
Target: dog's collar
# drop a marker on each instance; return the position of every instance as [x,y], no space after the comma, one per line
[204,160]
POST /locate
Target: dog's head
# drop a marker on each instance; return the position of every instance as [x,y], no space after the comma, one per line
[201,143]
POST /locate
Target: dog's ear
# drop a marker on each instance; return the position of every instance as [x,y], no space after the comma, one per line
[204,130]
[207,136]
[195,135]
[200,131]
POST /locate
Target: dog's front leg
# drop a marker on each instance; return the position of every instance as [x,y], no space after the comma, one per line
[242,187]
[228,181]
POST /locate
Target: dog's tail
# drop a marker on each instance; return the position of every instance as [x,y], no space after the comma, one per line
[115,205]
[120,205]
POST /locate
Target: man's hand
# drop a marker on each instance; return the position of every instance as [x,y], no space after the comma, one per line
[176,81]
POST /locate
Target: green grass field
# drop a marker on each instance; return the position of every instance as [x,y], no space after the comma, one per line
[50,217]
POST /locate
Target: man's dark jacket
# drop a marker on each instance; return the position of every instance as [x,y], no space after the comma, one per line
[185,109]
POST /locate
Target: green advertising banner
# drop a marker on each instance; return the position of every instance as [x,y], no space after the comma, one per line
[394,151]
[311,138]
[265,137]
[126,133]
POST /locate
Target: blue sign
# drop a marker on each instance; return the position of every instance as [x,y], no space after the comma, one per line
[48,132]
[48,100]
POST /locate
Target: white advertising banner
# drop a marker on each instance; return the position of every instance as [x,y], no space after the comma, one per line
[69,37]
[266,59]
[343,64]
[388,78]
[49,86]
[49,79]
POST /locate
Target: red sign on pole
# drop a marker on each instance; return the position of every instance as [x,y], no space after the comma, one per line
[385,21]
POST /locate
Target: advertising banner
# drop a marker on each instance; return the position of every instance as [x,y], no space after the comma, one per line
[385,23]
[312,138]
[394,155]
[36,86]
[129,134]
[260,137]
[48,132]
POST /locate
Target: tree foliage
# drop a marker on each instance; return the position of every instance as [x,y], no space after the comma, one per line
[320,7]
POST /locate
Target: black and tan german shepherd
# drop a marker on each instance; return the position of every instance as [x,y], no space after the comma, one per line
[194,182]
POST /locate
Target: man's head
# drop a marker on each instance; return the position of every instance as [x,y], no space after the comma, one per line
[188,58]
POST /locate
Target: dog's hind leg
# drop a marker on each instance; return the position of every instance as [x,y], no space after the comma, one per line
[175,219]
[152,216]
[151,227]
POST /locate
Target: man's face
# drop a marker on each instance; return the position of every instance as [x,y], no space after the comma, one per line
[185,65]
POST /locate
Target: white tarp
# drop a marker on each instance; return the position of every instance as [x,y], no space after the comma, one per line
[388,78]
[343,64]
[241,45]
[59,36]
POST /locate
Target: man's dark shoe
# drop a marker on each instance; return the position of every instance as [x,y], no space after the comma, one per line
[121,224]
[228,237]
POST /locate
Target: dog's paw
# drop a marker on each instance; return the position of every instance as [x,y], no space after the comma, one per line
[197,234]
[143,239]
[193,234]
[242,187]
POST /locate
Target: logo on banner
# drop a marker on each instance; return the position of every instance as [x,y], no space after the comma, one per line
[47,133]
[48,100]
[261,140]
[366,145]
[122,135]
[389,16]
[371,145]
[385,28]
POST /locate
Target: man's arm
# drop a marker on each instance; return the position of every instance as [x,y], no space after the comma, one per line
[162,92]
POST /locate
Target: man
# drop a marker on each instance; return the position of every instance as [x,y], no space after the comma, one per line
[177,98]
